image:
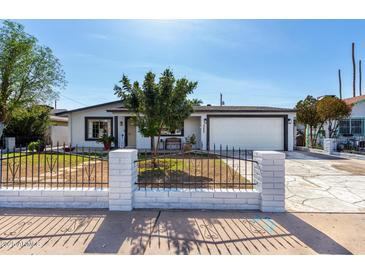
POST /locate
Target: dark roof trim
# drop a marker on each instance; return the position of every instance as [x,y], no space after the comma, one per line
[85,108]
[224,109]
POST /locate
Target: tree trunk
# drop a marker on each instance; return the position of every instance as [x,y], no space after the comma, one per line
[353,71]
[311,135]
[2,127]
[153,151]
[155,147]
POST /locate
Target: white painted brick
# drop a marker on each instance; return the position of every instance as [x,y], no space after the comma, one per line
[274,191]
[272,209]
[212,200]
[253,201]
[247,195]
[272,168]
[102,199]
[225,195]
[267,197]
[273,203]
[74,193]
[279,162]
[279,173]
[114,195]
[30,193]
[202,194]
[9,193]
[114,160]
[168,200]
[157,194]
[180,194]
[139,193]
[279,197]
[235,201]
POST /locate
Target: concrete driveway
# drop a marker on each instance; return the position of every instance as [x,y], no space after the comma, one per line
[320,183]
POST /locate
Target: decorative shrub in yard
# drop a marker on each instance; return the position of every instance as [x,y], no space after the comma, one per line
[36,146]
[107,141]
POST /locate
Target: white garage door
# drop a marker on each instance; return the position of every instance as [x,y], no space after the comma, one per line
[266,133]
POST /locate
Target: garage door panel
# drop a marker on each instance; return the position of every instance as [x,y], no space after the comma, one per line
[266,133]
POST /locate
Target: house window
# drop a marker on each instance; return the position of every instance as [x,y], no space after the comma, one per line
[351,127]
[356,126]
[177,132]
[96,127]
[344,127]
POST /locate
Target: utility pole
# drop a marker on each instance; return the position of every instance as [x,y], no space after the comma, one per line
[353,71]
[55,104]
[340,83]
[360,78]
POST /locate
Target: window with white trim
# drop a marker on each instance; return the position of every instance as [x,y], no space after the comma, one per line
[357,126]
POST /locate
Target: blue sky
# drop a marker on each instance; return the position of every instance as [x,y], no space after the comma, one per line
[252,62]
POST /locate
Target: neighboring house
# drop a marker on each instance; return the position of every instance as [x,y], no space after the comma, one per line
[355,124]
[58,130]
[245,127]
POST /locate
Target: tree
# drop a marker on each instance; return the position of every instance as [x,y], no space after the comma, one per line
[29,73]
[196,102]
[307,115]
[332,110]
[157,105]
[32,122]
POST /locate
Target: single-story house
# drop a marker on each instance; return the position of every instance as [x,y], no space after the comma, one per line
[245,127]
[58,130]
[355,124]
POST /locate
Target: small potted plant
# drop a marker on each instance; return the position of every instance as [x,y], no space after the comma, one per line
[189,142]
[107,141]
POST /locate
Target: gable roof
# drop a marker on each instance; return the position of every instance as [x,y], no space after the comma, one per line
[354,100]
[224,109]
[86,108]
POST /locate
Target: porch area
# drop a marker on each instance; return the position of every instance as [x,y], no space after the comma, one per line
[128,135]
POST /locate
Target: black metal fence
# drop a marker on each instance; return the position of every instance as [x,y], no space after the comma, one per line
[58,166]
[221,168]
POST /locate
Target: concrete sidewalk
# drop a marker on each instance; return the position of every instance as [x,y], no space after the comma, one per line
[49,231]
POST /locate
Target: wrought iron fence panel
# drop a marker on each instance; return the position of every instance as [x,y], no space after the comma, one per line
[220,168]
[59,166]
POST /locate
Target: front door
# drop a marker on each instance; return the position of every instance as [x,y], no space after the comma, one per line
[130,133]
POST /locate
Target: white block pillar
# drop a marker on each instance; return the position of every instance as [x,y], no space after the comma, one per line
[10,143]
[269,176]
[122,178]
[329,145]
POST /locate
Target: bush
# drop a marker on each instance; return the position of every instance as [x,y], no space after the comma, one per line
[28,124]
[36,146]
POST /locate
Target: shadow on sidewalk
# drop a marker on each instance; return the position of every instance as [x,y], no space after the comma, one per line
[175,232]
[208,232]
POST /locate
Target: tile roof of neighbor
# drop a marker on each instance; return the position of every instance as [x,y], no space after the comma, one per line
[196,109]
[354,100]
[225,109]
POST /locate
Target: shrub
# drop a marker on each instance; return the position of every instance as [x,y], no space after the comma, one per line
[36,146]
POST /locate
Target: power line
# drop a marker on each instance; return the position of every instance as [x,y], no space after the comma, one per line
[73,100]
